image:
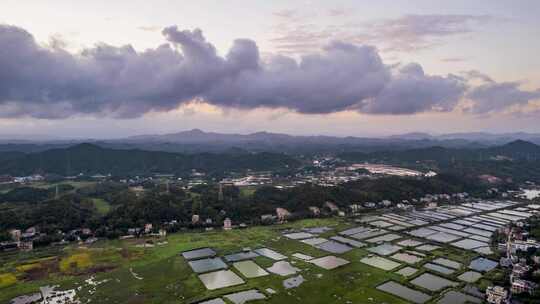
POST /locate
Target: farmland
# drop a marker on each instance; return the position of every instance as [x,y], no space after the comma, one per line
[127,271]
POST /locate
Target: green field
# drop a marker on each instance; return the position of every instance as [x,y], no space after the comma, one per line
[74,184]
[103,207]
[159,274]
[247,191]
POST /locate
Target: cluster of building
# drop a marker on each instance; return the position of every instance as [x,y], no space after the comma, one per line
[7,179]
[390,170]
[251,179]
[20,240]
[24,240]
[146,230]
[517,240]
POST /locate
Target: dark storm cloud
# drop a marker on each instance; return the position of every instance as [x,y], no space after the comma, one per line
[49,82]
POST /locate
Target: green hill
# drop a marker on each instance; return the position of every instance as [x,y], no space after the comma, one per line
[93,159]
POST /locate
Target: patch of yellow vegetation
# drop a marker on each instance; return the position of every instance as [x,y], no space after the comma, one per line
[7,279]
[75,262]
[28,267]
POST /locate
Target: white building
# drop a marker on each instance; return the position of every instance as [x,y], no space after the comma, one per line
[227,224]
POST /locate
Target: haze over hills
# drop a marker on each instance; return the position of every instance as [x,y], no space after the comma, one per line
[196,141]
[197,135]
[92,159]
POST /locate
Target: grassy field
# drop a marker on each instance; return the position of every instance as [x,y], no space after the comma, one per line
[46,185]
[103,207]
[247,191]
[74,184]
[135,274]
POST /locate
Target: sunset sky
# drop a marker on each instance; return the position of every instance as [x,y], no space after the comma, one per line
[106,69]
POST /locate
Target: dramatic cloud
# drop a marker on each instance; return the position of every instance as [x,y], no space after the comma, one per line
[412,91]
[407,33]
[49,82]
[496,97]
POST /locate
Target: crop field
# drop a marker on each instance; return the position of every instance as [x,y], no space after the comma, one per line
[132,271]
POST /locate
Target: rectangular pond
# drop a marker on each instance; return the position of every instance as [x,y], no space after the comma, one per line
[347,241]
[385,249]
[427,247]
[368,234]
[198,253]
[249,269]
[220,279]
[384,238]
[469,244]
[242,297]
[456,297]
[381,224]
[404,292]
[303,257]
[334,247]
[318,230]
[432,282]
[314,241]
[451,231]
[271,254]
[479,232]
[235,257]
[380,262]
[447,263]
[482,264]
[469,276]
[406,258]
[443,237]
[439,268]
[484,250]
[355,230]
[206,265]
[329,262]
[422,232]
[407,271]
[410,243]
[298,235]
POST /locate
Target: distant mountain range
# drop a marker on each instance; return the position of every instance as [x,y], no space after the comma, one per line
[196,141]
[93,159]
[474,136]
[199,136]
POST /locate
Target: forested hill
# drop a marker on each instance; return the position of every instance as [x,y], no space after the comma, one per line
[516,150]
[92,159]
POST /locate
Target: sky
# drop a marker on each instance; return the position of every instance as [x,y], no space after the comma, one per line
[109,69]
